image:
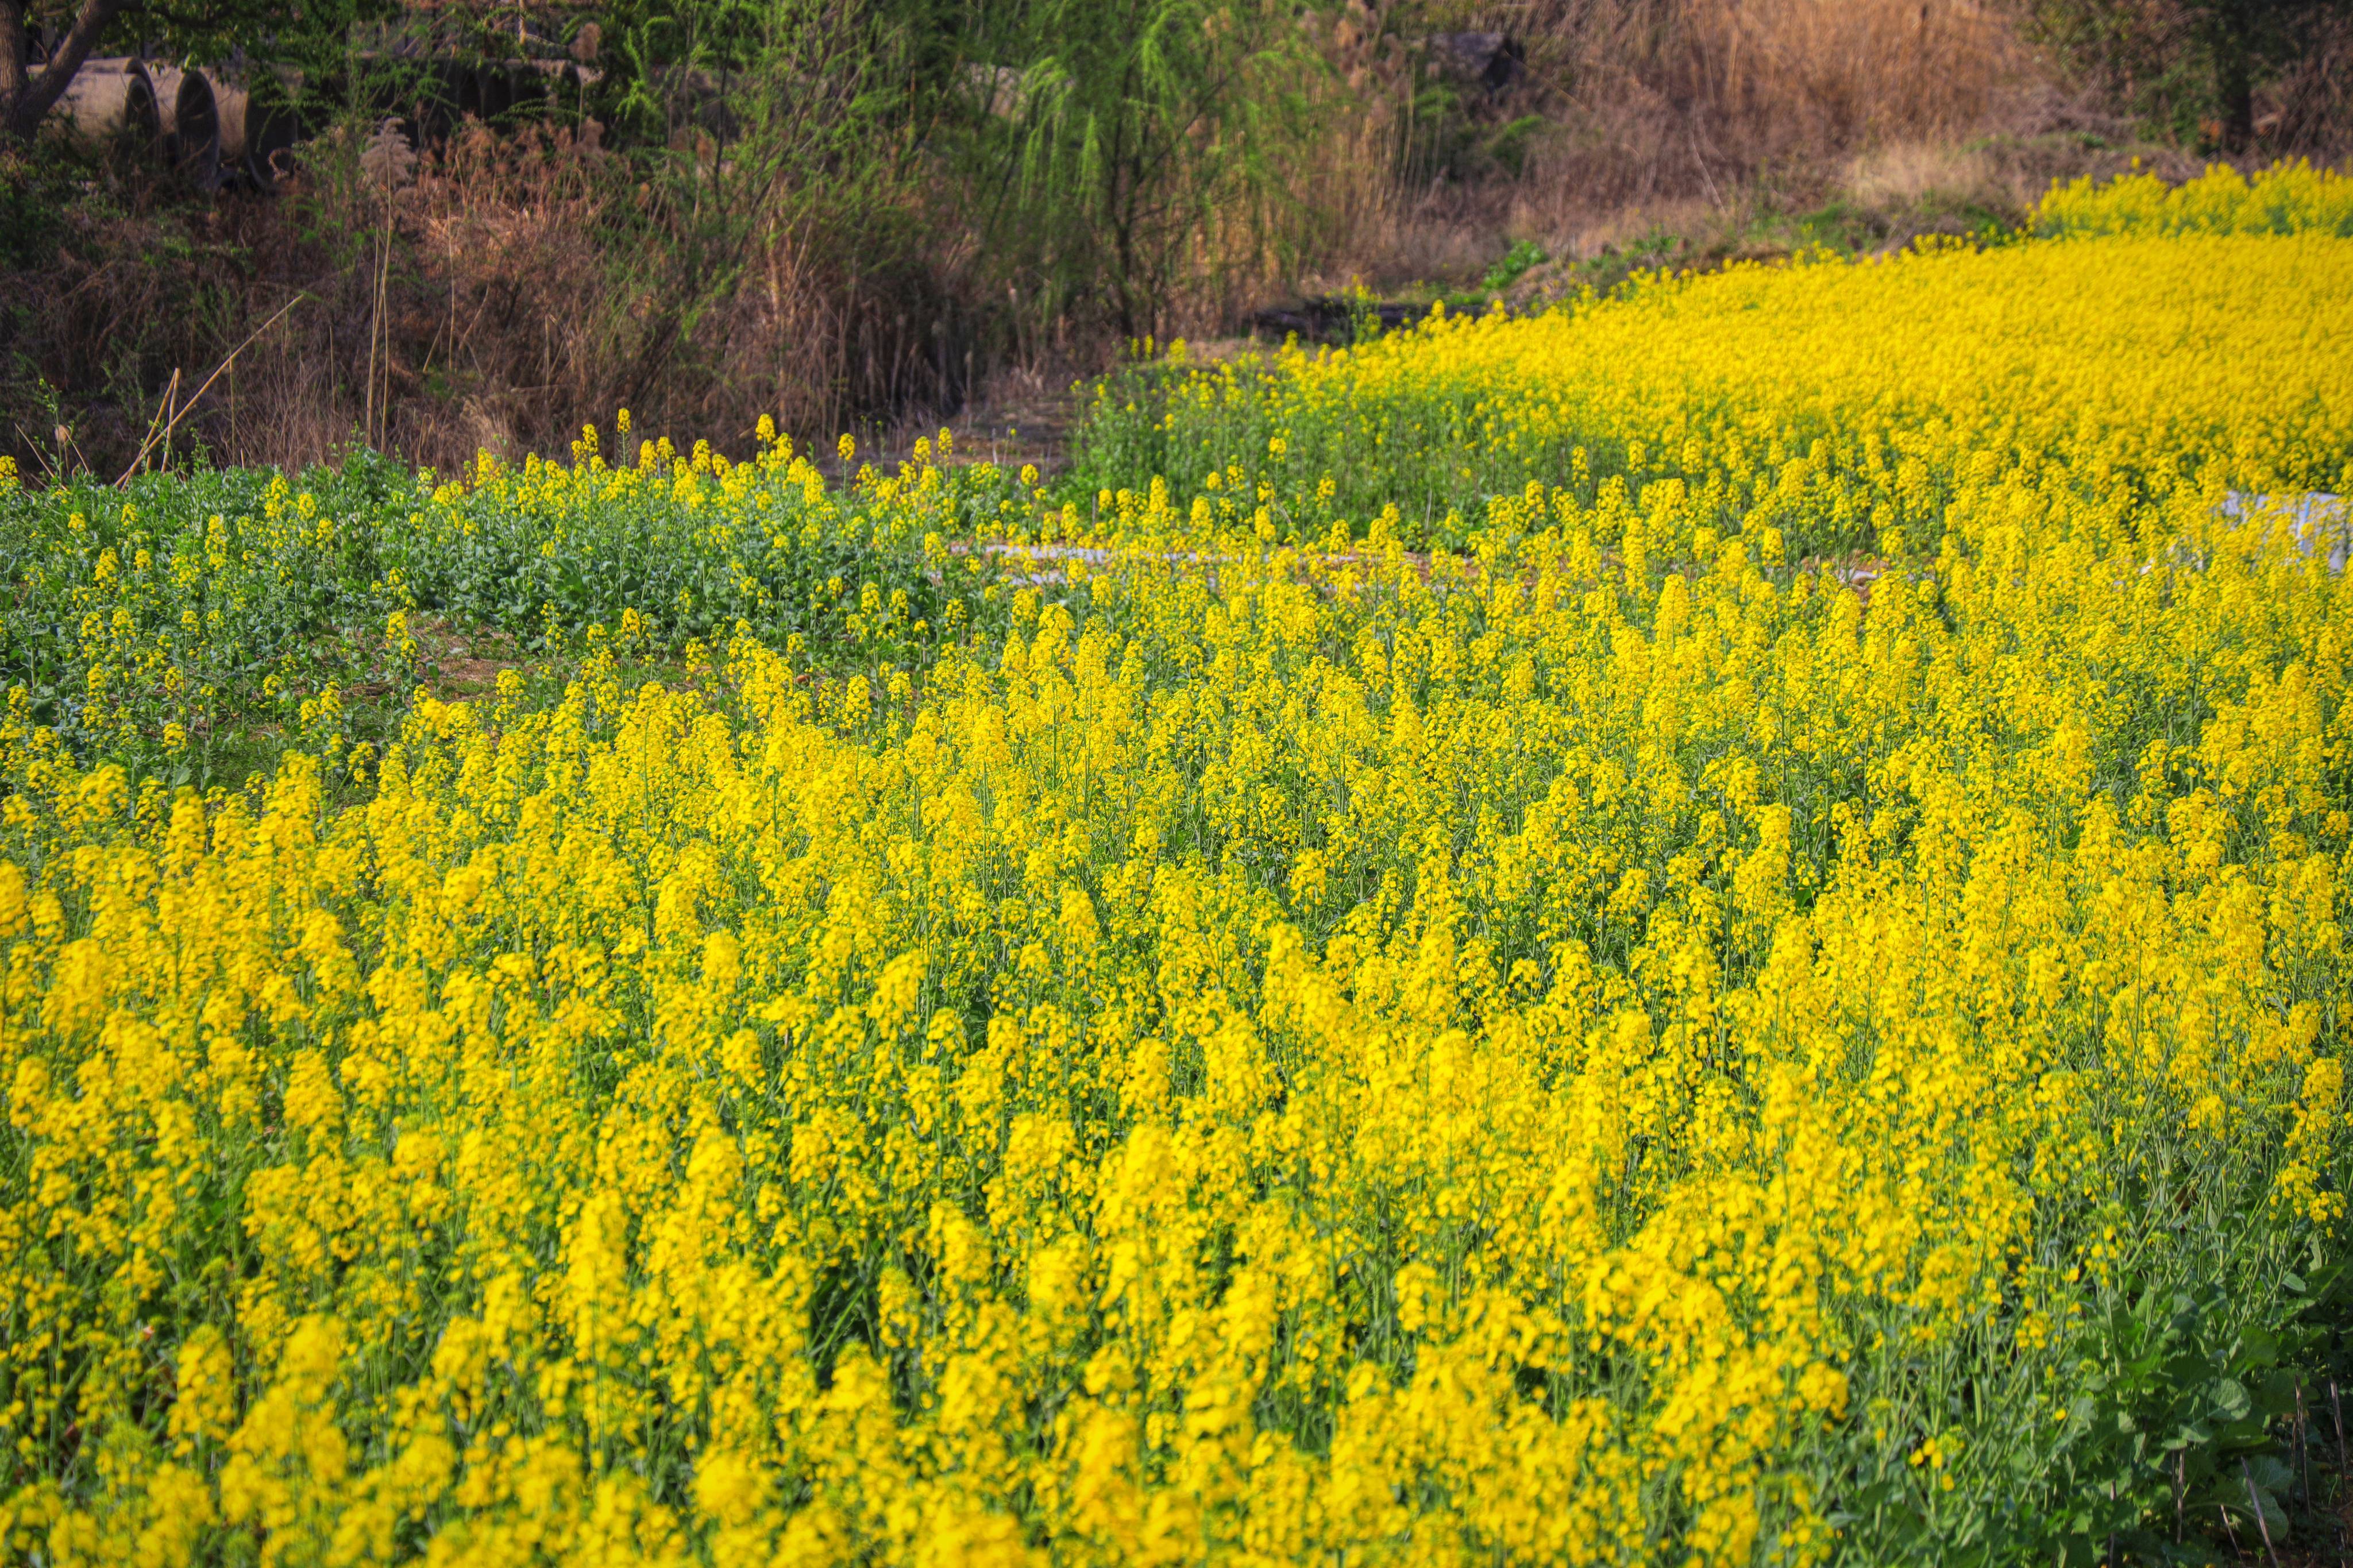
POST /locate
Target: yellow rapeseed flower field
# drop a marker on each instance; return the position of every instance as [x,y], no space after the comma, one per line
[2286,199]
[1835,400]
[1621,1043]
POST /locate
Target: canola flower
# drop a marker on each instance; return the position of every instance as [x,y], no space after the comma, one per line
[135,626]
[1549,1059]
[1853,399]
[193,626]
[1615,1046]
[2285,198]
[705,544]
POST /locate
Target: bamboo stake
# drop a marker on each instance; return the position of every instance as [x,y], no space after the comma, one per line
[2256,1504]
[2303,1452]
[156,437]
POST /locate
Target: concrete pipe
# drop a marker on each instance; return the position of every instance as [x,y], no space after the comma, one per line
[231,101]
[112,103]
[527,87]
[535,89]
[466,85]
[494,91]
[192,131]
[256,142]
[441,97]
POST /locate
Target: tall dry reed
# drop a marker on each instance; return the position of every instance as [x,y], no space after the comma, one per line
[1685,96]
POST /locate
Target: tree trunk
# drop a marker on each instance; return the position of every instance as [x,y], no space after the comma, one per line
[23,99]
[12,54]
[2234,77]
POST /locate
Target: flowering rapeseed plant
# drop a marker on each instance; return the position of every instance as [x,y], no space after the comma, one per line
[1848,400]
[2286,198]
[1613,1046]
[193,625]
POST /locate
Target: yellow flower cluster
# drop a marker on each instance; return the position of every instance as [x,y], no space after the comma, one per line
[144,636]
[2286,198]
[1610,1047]
[1853,399]
[702,545]
[197,624]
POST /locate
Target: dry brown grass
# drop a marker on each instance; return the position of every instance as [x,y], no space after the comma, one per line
[2002,172]
[533,282]
[1674,101]
[497,294]
[1669,112]
[1775,76]
[1700,118]
[1906,173]
[536,281]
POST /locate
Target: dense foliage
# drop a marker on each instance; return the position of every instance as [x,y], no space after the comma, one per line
[1614,1044]
[194,624]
